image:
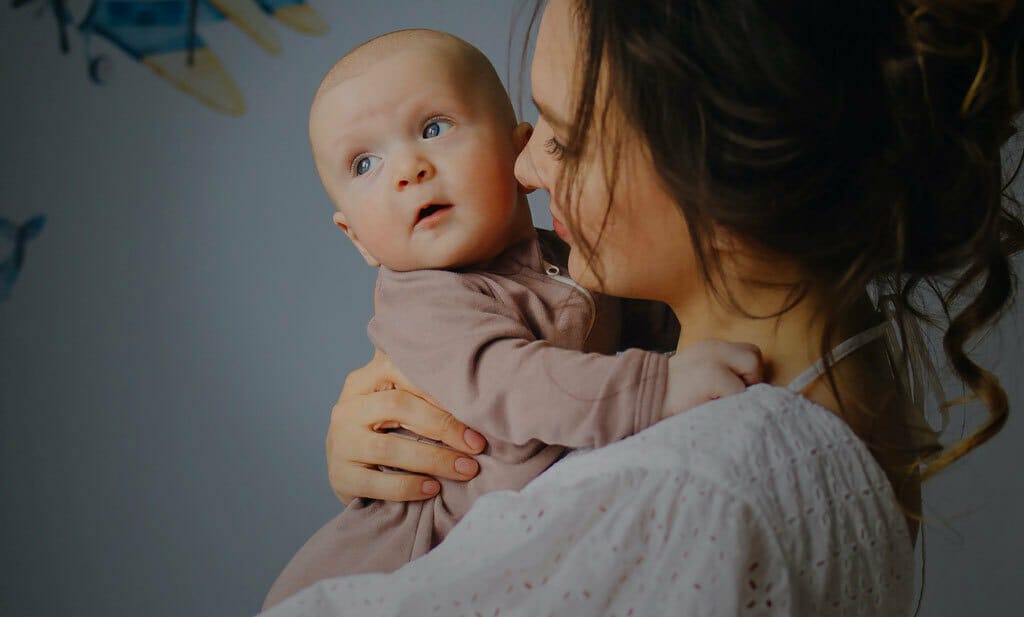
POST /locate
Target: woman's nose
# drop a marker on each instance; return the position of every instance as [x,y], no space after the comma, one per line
[414,171]
[525,171]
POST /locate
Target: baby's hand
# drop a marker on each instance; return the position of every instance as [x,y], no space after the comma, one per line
[708,370]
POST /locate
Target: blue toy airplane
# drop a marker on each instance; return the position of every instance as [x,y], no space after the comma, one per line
[161,34]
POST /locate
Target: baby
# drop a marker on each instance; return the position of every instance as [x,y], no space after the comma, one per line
[415,139]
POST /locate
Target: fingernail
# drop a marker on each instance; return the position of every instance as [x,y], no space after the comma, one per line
[430,487]
[473,438]
[465,466]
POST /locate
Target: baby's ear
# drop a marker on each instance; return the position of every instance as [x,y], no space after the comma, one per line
[339,220]
[520,135]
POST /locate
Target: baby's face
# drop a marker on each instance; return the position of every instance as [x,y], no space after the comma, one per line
[420,169]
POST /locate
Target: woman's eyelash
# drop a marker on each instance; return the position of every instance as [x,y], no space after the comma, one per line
[555,149]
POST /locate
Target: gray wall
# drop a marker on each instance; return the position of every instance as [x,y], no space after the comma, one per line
[186,319]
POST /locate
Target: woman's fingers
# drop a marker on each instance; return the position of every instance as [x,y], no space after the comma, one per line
[415,457]
[355,448]
[371,483]
[377,397]
[385,408]
[350,478]
[406,406]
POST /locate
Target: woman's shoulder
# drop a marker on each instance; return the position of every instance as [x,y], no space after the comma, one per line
[796,463]
[763,432]
[763,429]
[792,466]
[799,463]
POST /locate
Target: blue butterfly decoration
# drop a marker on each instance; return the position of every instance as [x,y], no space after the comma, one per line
[13,239]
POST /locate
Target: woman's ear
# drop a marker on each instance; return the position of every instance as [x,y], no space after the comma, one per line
[339,220]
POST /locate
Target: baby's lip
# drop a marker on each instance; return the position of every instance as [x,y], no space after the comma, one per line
[428,209]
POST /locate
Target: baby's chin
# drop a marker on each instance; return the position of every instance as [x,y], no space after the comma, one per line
[460,257]
[461,243]
[432,260]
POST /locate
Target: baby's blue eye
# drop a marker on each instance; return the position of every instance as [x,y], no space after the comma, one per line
[435,128]
[364,164]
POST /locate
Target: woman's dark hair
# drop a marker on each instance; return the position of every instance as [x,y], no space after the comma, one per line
[860,139]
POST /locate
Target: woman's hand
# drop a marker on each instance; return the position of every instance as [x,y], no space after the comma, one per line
[377,397]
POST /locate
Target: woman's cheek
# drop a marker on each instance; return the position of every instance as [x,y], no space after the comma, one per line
[579,270]
[589,272]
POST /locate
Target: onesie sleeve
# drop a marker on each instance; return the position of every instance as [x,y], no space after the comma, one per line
[478,358]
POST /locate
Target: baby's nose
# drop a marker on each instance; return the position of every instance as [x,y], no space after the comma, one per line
[419,170]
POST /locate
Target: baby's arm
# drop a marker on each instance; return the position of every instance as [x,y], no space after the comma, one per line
[477,358]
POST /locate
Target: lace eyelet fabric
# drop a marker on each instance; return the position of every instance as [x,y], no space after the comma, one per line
[757,504]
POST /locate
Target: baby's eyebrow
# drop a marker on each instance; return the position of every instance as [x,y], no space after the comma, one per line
[340,141]
[552,119]
[347,140]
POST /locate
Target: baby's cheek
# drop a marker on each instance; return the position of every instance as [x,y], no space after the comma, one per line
[383,241]
[496,179]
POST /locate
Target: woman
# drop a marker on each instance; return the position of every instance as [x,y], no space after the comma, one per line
[757,167]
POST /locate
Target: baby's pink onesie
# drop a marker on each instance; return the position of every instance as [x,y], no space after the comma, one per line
[518,352]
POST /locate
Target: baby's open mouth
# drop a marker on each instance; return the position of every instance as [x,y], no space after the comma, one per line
[430,209]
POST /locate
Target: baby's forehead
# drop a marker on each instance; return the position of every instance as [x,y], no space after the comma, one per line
[401,81]
[386,76]
[442,50]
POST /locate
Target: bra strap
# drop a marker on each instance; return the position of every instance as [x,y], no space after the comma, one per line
[841,350]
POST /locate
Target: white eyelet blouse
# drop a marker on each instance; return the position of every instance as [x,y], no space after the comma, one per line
[762,503]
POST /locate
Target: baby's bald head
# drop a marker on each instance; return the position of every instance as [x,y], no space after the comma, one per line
[474,68]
